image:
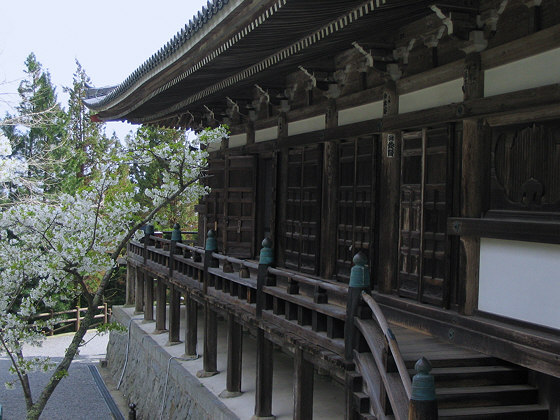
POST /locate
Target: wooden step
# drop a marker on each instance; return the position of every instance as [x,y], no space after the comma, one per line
[510,412]
[486,396]
[457,360]
[477,376]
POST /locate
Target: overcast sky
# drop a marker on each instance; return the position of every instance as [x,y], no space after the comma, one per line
[109,38]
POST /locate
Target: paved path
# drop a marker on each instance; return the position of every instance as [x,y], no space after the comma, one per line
[76,397]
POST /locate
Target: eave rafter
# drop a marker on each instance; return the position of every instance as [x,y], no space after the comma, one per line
[295,48]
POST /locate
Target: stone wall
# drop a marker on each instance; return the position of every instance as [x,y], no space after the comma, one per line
[145,376]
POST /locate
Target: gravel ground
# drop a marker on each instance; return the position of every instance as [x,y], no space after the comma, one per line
[76,397]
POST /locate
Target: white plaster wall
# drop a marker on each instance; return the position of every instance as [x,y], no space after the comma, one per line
[442,94]
[237,140]
[214,146]
[266,134]
[360,113]
[306,126]
[520,280]
[538,70]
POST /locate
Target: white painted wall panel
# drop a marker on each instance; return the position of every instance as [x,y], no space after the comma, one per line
[520,280]
[538,70]
[360,113]
[442,94]
[238,140]
[266,134]
[306,126]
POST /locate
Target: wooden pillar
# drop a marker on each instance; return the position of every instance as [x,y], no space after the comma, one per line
[148,298]
[303,387]
[130,285]
[389,198]
[263,395]
[161,306]
[191,327]
[329,198]
[474,160]
[234,358]
[174,315]
[210,355]
[139,293]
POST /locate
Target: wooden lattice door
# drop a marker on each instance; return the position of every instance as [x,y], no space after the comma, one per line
[302,227]
[425,205]
[238,225]
[355,202]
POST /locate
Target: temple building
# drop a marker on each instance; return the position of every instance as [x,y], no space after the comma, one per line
[409,150]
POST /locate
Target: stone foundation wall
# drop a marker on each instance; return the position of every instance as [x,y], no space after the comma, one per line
[144,379]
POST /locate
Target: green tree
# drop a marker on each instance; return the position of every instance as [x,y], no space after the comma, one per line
[40,124]
[87,144]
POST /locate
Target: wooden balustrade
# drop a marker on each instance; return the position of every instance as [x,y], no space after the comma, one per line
[323,315]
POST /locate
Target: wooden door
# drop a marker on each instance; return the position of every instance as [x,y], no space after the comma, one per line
[302,227]
[425,204]
[355,202]
[238,227]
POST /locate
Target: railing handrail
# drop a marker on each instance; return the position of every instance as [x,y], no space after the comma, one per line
[391,341]
[323,284]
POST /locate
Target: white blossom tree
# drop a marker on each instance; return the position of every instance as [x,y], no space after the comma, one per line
[51,246]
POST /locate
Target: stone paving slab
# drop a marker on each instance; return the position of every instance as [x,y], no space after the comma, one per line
[77,396]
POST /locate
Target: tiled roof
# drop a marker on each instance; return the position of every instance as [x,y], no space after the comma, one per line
[197,22]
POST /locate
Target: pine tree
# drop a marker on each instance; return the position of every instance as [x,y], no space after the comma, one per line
[87,143]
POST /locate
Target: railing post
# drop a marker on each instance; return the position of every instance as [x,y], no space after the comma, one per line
[359,281]
[265,366]
[105,313]
[423,403]
[266,260]
[175,238]
[209,261]
[210,352]
[148,231]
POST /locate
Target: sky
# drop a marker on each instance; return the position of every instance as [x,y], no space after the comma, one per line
[109,38]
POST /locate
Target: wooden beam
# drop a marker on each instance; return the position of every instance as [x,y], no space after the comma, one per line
[515,230]
[174,315]
[329,199]
[388,202]
[303,386]
[139,292]
[473,183]
[191,326]
[210,355]
[263,394]
[148,298]
[234,358]
[161,305]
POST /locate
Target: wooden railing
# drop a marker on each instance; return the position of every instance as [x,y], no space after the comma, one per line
[306,311]
[64,324]
[379,361]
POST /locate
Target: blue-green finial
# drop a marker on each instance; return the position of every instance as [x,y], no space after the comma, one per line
[423,385]
[176,233]
[149,231]
[267,254]
[211,242]
[359,275]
